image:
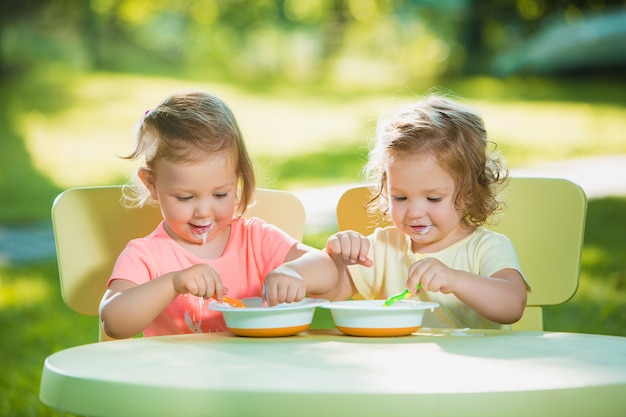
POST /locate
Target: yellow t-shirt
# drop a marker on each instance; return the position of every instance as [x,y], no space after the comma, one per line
[484,252]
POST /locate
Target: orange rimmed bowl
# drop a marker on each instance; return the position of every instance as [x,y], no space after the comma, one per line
[372,318]
[255,320]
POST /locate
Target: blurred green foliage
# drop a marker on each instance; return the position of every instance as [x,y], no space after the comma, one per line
[350,42]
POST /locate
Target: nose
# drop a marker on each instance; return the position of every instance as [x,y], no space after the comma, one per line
[416,208]
[202,209]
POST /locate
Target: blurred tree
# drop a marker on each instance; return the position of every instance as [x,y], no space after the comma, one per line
[346,41]
[12,11]
[491,27]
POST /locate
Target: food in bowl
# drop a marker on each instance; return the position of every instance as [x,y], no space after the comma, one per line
[373,318]
[256,320]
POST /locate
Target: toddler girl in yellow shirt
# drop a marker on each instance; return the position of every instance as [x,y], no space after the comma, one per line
[434,177]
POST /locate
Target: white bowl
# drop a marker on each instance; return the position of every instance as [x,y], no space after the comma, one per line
[372,318]
[254,320]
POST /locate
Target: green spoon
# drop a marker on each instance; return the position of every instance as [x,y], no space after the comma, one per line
[404,294]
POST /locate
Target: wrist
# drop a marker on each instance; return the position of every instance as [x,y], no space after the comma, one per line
[287,271]
[170,280]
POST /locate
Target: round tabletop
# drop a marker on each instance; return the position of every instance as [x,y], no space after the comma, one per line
[321,372]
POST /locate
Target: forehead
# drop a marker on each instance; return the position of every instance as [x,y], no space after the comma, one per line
[421,161]
[418,171]
[207,168]
[192,155]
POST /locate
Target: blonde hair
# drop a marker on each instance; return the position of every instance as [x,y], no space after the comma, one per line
[456,137]
[184,126]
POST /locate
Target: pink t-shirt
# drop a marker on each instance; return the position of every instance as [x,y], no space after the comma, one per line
[253,250]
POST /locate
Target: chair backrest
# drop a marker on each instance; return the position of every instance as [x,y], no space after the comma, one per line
[91,228]
[545,220]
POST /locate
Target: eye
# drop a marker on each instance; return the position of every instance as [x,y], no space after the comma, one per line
[183,197]
[434,199]
[398,198]
[220,195]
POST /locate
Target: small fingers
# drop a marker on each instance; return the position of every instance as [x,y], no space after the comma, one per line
[284,291]
[217,290]
[292,294]
[275,295]
[354,247]
[201,287]
[190,287]
[415,279]
[207,283]
[333,246]
[349,246]
[429,273]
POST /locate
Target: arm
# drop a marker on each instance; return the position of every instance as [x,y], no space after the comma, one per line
[126,308]
[306,270]
[346,248]
[500,297]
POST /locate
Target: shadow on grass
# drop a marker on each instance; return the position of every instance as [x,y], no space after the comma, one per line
[585,89]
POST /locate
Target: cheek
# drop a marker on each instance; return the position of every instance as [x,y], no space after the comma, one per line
[173,209]
[395,212]
[226,208]
[447,212]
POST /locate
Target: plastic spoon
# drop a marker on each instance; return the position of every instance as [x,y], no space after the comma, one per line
[232,301]
[404,294]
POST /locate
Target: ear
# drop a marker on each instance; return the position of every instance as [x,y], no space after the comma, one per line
[147,177]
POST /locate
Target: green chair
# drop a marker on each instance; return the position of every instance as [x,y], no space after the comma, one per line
[545,220]
[91,228]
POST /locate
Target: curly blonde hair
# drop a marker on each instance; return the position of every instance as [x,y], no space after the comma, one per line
[183,126]
[456,137]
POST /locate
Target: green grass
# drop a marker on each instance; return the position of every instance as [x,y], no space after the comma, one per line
[59,131]
[598,305]
[35,323]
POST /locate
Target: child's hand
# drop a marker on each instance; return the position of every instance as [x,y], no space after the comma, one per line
[200,280]
[350,247]
[433,274]
[283,285]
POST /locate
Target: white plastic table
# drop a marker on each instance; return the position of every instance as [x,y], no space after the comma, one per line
[323,373]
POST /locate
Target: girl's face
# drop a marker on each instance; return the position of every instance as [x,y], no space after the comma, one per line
[421,203]
[197,198]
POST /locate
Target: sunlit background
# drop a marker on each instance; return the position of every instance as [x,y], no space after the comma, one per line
[303,76]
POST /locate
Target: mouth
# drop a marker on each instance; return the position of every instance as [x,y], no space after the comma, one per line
[201,230]
[421,230]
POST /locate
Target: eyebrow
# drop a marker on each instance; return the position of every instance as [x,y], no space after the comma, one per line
[393,190]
